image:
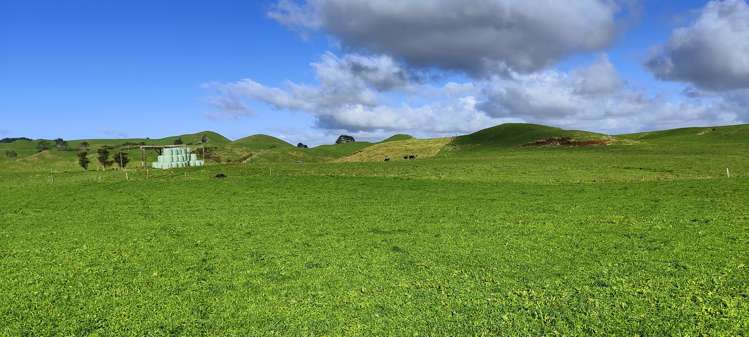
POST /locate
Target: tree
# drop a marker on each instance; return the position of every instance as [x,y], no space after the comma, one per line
[61,144]
[11,154]
[83,146]
[120,158]
[203,141]
[43,145]
[83,160]
[178,141]
[102,155]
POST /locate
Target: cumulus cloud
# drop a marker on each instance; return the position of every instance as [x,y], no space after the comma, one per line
[381,72]
[382,98]
[595,98]
[363,93]
[712,53]
[738,101]
[479,37]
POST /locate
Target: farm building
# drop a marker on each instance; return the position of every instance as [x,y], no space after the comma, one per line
[174,157]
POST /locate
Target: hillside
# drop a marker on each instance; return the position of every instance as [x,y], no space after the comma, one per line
[515,134]
[261,142]
[24,154]
[397,137]
[396,149]
[732,134]
[339,150]
[214,138]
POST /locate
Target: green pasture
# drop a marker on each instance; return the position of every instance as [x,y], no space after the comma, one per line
[647,236]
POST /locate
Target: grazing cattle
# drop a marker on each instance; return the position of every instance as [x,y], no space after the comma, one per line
[411,157]
[220,176]
[405,157]
[387,158]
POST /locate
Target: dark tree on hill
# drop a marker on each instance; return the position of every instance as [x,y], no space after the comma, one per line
[120,158]
[83,146]
[343,139]
[83,160]
[11,154]
[204,139]
[178,141]
[102,155]
[61,144]
[43,145]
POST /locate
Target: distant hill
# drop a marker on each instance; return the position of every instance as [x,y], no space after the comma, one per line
[733,134]
[398,137]
[335,151]
[11,140]
[395,150]
[214,138]
[515,134]
[261,142]
[24,154]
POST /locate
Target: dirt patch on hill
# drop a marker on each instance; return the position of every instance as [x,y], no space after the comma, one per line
[566,141]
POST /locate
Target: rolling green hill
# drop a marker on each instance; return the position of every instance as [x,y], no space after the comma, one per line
[396,149]
[397,137]
[214,138]
[707,135]
[512,134]
[261,142]
[264,148]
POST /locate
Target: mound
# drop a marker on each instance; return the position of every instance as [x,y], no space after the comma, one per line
[261,142]
[733,134]
[396,150]
[339,150]
[214,138]
[507,135]
[395,138]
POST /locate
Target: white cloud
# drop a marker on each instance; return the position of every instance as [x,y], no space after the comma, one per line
[355,93]
[595,98]
[480,37]
[712,53]
[592,97]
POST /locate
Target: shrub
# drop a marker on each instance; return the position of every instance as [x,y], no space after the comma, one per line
[102,155]
[43,145]
[61,144]
[83,160]
[120,158]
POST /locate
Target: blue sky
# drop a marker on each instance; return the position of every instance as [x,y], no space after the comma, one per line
[102,69]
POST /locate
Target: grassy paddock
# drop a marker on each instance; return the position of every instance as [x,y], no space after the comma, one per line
[363,249]
[644,237]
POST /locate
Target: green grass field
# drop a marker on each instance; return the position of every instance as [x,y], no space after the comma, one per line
[646,236]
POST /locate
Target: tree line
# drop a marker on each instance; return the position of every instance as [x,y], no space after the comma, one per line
[119,158]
